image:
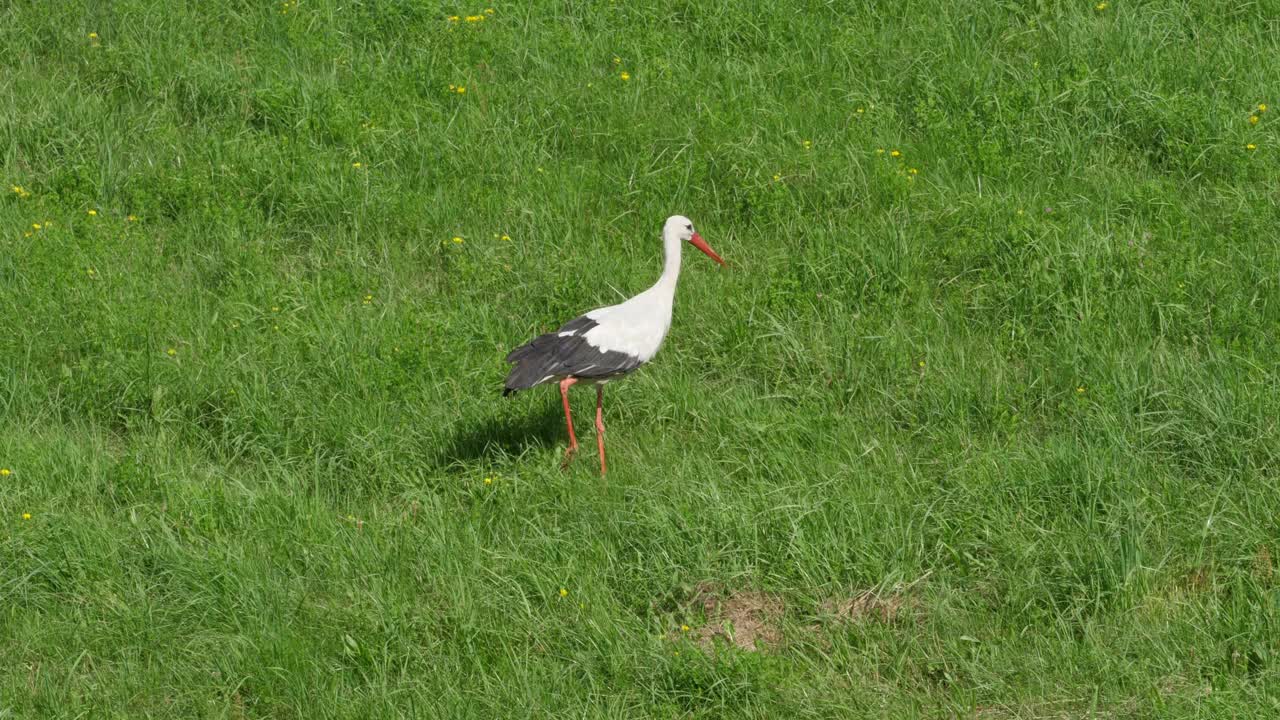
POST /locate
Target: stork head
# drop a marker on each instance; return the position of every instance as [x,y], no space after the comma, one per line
[681,227]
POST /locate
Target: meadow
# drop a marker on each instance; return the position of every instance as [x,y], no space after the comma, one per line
[979,422]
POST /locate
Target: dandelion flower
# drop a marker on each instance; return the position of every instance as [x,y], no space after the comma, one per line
[454,18]
[488,11]
[505,237]
[132,218]
[913,171]
[26,516]
[488,481]
[5,472]
[457,240]
[625,75]
[921,363]
[617,60]
[171,352]
[1250,146]
[1100,6]
[20,191]
[475,18]
[895,153]
[564,592]
[1080,390]
[462,89]
[93,36]
[1262,107]
[808,144]
[93,213]
[357,165]
[90,272]
[860,111]
[275,308]
[777,177]
[684,628]
[879,151]
[35,226]
[368,300]
[1253,119]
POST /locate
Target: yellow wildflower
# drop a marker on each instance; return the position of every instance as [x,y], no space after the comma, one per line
[368,299]
[35,226]
[462,89]
[921,363]
[895,153]
[1253,119]
[356,165]
[5,472]
[26,516]
[454,18]
[488,11]
[1262,107]
[475,18]
[275,308]
[132,218]
[1250,146]
[1100,6]
[20,191]
[488,481]
[617,60]
[93,213]
[808,144]
[684,628]
[506,236]
[1080,390]
[93,36]
[913,171]
[90,272]
[625,75]
[457,240]
[860,111]
[879,151]
[171,352]
[564,592]
[777,177]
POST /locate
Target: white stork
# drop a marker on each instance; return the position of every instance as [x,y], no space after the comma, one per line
[608,342]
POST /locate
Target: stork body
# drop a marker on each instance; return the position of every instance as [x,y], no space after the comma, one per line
[609,342]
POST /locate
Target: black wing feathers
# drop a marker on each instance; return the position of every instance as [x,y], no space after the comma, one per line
[554,355]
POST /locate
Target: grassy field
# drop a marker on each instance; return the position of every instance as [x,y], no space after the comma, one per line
[980,422]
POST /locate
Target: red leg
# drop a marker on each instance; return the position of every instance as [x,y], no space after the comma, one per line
[565,384]
[600,424]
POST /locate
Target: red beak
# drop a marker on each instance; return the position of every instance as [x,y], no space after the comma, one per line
[702,245]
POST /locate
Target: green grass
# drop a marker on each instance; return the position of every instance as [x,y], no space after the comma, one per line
[1027,396]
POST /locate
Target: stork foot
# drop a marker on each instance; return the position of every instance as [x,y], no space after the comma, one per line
[568,457]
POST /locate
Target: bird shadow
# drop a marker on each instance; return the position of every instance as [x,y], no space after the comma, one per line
[504,433]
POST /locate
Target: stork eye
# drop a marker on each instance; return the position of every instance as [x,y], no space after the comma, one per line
[688,227]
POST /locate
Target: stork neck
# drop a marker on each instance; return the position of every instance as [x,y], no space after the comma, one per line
[671,264]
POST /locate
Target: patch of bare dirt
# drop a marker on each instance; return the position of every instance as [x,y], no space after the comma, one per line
[1262,564]
[867,606]
[750,620]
